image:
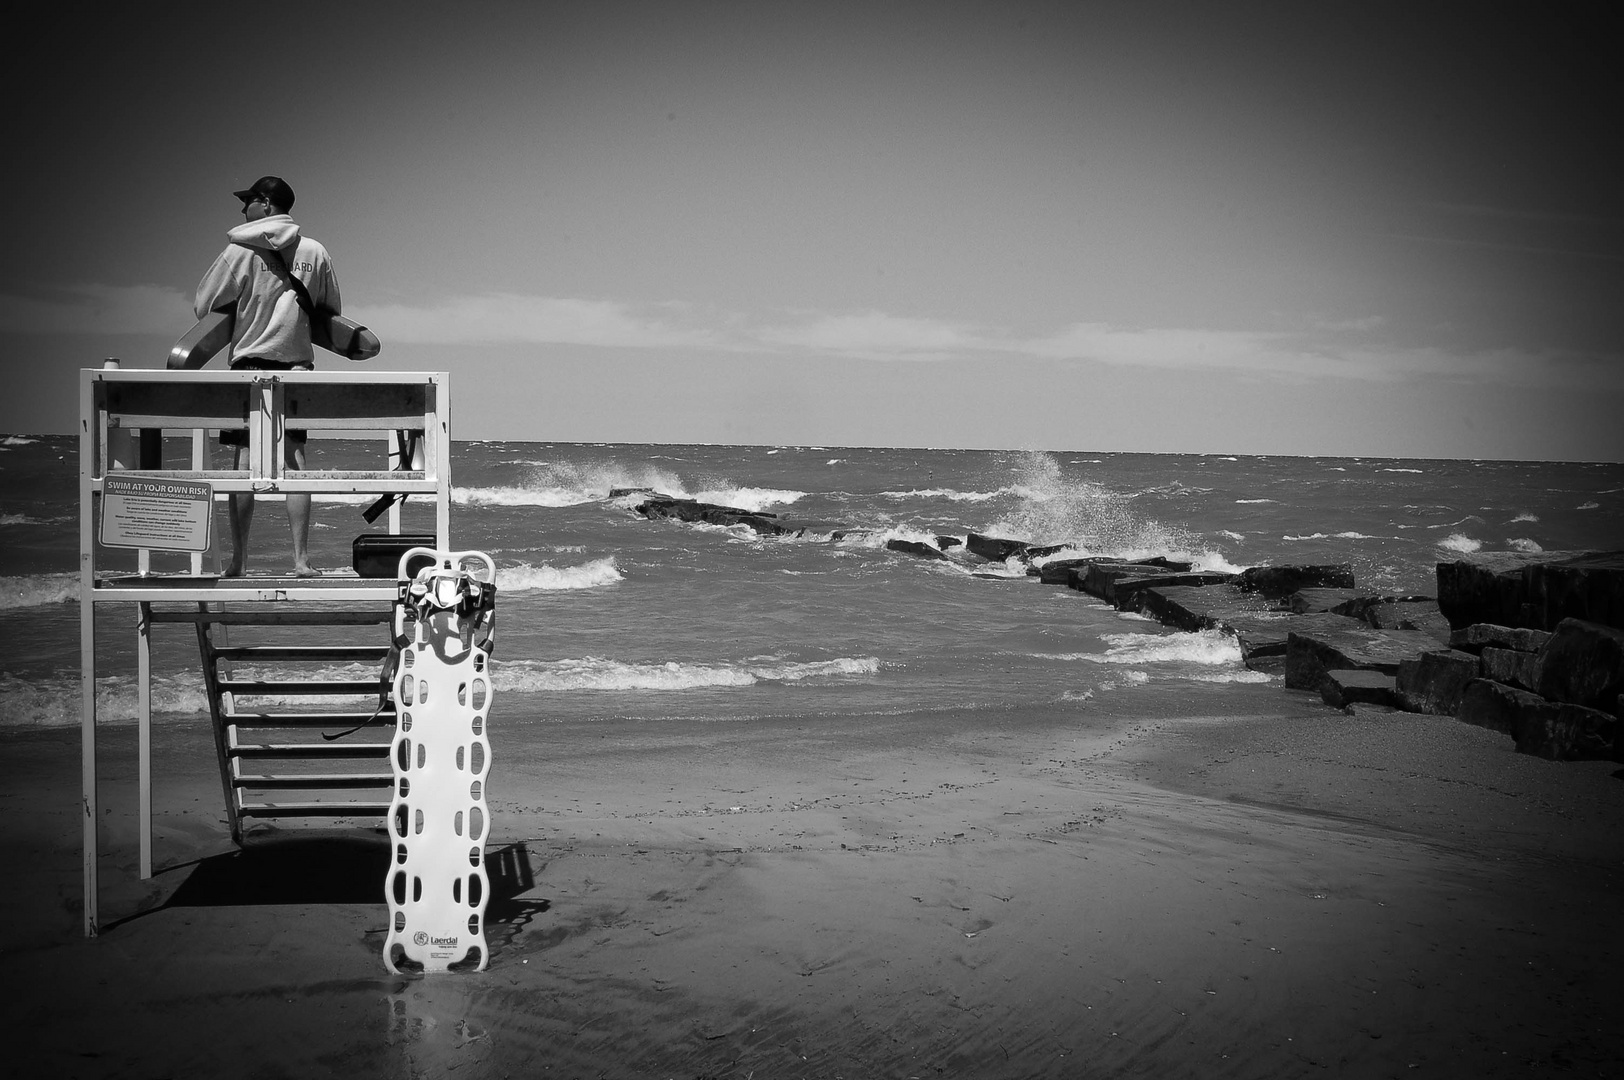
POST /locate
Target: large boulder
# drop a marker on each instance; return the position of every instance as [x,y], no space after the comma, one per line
[1058,571]
[1547,729]
[1421,615]
[1127,592]
[1314,601]
[1278,582]
[1315,646]
[1342,688]
[993,548]
[1434,681]
[1510,666]
[1588,587]
[914,547]
[1583,664]
[1260,629]
[693,511]
[1486,588]
[1100,578]
[1479,636]
[1533,590]
[1496,706]
[1564,732]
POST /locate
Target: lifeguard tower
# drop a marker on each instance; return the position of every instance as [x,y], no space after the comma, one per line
[147,491]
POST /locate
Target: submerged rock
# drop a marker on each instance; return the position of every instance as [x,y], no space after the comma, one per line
[915,547]
[691,510]
[994,549]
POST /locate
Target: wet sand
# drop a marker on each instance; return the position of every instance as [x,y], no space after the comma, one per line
[1281,891]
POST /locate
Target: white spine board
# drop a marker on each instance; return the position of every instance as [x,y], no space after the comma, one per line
[436,885]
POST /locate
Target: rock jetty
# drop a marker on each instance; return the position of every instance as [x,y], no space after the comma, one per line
[1530,645]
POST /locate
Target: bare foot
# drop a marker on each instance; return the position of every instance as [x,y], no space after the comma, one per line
[232,571]
[306,571]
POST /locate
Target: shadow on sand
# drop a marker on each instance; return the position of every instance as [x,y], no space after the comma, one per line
[341,869]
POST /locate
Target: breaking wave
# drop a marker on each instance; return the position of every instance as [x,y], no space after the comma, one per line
[54,702]
[37,590]
[556,484]
[1091,519]
[594,673]
[544,578]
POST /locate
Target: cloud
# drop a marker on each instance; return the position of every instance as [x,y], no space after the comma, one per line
[1356,349]
[539,320]
[874,335]
[99,309]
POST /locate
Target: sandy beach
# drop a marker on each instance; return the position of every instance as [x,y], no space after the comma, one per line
[1282,891]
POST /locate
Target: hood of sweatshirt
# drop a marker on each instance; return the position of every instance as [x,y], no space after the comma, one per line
[276,232]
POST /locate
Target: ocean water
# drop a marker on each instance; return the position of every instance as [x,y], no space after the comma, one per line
[604,614]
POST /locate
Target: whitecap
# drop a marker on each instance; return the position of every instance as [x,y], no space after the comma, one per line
[945,493]
[597,673]
[1460,542]
[749,498]
[1205,647]
[527,578]
[519,496]
[37,590]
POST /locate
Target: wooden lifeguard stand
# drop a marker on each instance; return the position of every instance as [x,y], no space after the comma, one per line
[124,416]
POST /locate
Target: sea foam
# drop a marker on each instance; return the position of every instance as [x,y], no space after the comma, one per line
[527,578]
[597,673]
[37,590]
[1091,519]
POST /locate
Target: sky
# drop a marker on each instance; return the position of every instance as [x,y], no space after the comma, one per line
[1372,229]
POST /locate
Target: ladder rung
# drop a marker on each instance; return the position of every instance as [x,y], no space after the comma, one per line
[277,618]
[334,781]
[313,809]
[250,653]
[261,688]
[311,750]
[339,720]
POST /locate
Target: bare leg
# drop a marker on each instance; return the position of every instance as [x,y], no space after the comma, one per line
[240,512]
[299,519]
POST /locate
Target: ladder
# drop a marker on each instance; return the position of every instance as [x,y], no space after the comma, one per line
[274,764]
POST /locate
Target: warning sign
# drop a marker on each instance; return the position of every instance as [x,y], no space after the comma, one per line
[166,515]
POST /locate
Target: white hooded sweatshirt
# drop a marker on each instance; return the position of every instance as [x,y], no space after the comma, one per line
[270,324]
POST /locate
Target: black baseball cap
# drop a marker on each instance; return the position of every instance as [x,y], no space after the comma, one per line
[273,188]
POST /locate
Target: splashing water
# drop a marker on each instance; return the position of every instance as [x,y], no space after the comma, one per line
[1090,518]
